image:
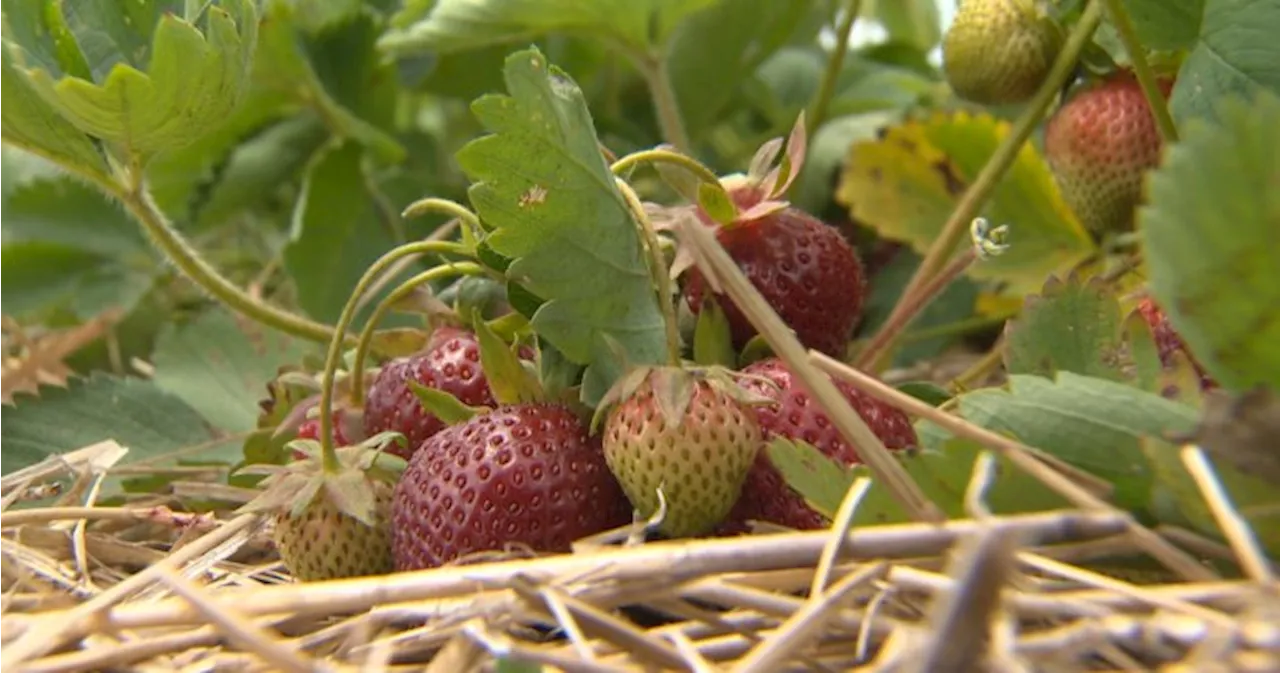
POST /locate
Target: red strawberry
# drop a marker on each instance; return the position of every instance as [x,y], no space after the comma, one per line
[766,496]
[806,270]
[1099,146]
[1169,342]
[450,363]
[526,474]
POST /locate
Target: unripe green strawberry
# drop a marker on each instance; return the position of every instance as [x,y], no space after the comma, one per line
[1100,145]
[690,433]
[331,521]
[324,543]
[999,52]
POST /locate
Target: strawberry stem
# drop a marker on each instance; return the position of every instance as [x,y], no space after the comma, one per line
[1142,69]
[657,269]
[446,207]
[835,64]
[334,355]
[664,156]
[138,201]
[654,70]
[914,297]
[384,307]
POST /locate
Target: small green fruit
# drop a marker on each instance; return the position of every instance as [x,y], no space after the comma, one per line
[998,52]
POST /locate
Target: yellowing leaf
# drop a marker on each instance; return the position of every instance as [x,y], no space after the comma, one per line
[906,184]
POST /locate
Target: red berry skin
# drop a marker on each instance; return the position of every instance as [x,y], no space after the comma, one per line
[310,429]
[1100,144]
[806,271]
[1169,342]
[527,474]
[795,415]
[450,363]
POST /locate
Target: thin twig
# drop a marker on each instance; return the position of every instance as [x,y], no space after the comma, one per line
[1234,527]
[1142,69]
[835,65]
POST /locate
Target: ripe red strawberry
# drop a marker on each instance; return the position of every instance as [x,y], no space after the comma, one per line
[1100,145]
[450,363]
[794,415]
[691,435]
[523,474]
[806,270]
[1168,342]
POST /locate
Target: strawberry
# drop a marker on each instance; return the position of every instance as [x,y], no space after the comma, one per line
[1169,343]
[999,51]
[347,428]
[685,432]
[450,362]
[1100,145]
[523,474]
[806,271]
[794,415]
[331,522]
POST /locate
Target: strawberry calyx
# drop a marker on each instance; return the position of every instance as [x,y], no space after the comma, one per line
[350,486]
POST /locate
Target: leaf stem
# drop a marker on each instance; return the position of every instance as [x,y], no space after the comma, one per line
[658,77]
[826,91]
[137,200]
[1141,68]
[910,307]
[384,307]
[663,156]
[445,207]
[657,269]
[334,355]
[981,188]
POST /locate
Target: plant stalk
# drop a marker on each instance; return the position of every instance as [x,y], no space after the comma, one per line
[137,200]
[334,354]
[899,320]
[1142,69]
[657,270]
[658,77]
[981,188]
[662,156]
[384,307]
[827,89]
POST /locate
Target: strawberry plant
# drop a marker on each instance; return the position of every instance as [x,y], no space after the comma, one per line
[404,286]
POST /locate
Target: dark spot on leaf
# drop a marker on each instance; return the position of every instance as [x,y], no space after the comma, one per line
[955,186]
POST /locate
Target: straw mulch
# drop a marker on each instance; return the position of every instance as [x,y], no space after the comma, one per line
[149,588]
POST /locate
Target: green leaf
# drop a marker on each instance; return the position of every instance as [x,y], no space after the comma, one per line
[220,368]
[714,50]
[40,276]
[1235,54]
[65,211]
[337,234]
[1093,424]
[442,405]
[1166,24]
[194,78]
[906,184]
[914,22]
[712,339]
[136,413]
[282,63]
[821,481]
[563,221]
[455,25]
[1211,238]
[1071,326]
[942,474]
[926,391]
[29,122]
[508,378]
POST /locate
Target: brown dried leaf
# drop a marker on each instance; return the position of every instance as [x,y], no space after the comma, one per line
[31,362]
